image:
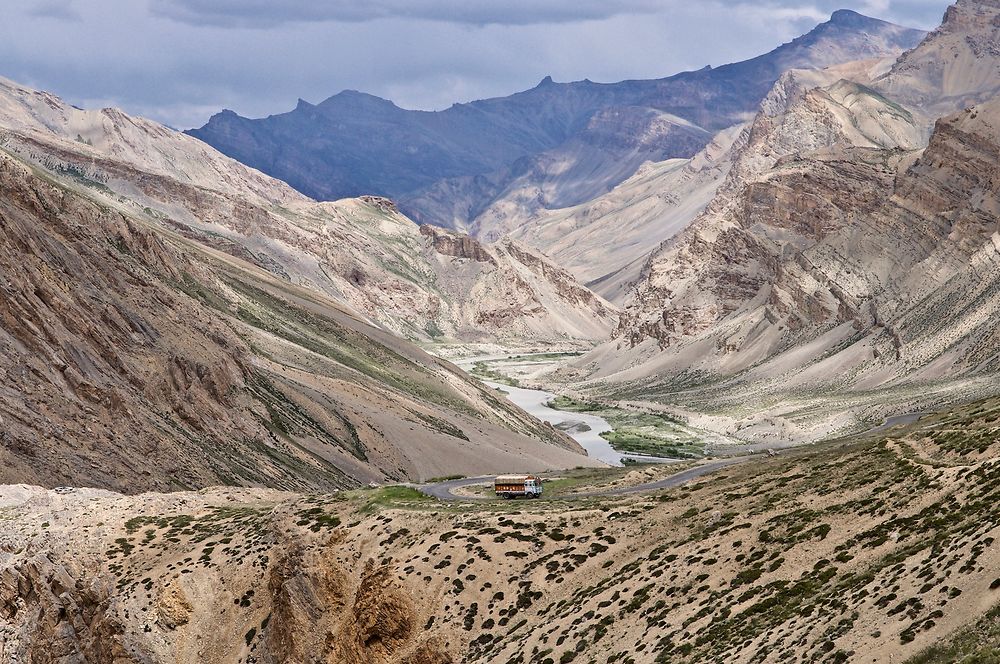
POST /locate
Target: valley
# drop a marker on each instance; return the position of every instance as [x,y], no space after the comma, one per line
[611,433]
[257,378]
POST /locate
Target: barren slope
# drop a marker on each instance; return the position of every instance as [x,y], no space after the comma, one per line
[957,66]
[605,242]
[134,358]
[872,551]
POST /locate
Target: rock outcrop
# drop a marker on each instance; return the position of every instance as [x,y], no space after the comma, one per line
[456,245]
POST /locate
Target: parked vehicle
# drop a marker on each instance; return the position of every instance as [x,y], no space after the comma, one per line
[518,486]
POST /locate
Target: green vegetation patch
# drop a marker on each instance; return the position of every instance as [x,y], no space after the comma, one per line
[389,497]
[635,432]
[483,371]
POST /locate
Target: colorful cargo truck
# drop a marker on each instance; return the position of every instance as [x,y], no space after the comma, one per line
[518,486]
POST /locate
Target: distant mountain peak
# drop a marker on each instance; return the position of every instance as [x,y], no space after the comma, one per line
[224,114]
[848,17]
[847,22]
[355,98]
[545,81]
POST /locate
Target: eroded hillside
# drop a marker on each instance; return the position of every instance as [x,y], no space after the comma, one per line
[361,252]
[135,358]
[844,268]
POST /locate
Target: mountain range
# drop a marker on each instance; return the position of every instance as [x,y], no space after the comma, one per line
[846,264]
[172,319]
[482,166]
[335,292]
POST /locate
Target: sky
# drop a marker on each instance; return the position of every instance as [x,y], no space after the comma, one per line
[180,61]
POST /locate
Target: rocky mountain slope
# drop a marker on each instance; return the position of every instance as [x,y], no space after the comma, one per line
[556,145]
[881,550]
[136,355]
[361,252]
[956,67]
[839,259]
[655,204]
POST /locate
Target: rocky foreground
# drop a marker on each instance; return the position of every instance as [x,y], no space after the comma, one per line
[868,551]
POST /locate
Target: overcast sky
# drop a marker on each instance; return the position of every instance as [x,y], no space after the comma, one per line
[179,61]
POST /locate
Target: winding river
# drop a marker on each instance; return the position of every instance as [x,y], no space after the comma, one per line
[588,435]
[534,402]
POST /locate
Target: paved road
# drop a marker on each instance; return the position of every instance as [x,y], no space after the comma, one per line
[443,490]
[895,420]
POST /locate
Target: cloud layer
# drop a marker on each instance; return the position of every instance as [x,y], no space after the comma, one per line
[269,14]
[178,61]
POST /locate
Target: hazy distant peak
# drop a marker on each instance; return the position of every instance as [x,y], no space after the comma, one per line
[849,17]
[226,113]
[355,98]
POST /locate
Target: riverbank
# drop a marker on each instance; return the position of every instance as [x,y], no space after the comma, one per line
[591,435]
[608,434]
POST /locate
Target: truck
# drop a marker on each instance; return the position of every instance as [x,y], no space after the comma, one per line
[518,486]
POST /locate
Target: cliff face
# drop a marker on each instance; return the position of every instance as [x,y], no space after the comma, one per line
[456,245]
[796,178]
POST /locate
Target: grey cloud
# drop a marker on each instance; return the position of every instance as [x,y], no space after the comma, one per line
[124,54]
[269,14]
[61,10]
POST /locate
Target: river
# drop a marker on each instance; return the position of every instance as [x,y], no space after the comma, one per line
[533,402]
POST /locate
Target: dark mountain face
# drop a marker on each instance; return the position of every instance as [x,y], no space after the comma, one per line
[354,143]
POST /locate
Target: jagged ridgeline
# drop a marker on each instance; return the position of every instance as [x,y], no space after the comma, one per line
[490,165]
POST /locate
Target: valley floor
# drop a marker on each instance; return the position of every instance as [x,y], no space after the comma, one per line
[610,430]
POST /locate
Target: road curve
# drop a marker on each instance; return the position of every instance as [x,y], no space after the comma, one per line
[443,490]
